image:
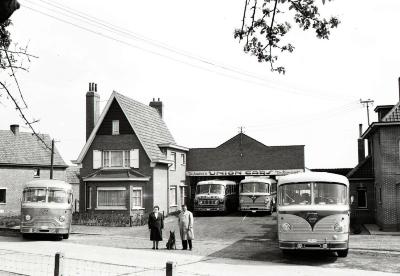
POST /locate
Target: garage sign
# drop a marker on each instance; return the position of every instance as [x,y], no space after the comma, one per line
[244,173]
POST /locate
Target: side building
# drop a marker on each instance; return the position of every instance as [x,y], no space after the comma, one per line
[130,161]
[240,157]
[23,157]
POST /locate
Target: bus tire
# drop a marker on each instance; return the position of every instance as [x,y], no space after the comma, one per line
[65,236]
[25,236]
[343,253]
[286,252]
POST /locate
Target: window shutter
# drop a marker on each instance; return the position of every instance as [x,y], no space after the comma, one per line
[96,159]
[134,158]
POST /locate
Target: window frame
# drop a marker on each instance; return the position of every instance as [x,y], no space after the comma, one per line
[141,198]
[183,158]
[364,189]
[115,127]
[173,187]
[89,190]
[36,172]
[5,195]
[173,159]
[125,159]
[105,207]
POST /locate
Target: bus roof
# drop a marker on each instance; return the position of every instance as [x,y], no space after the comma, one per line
[48,183]
[313,177]
[258,179]
[217,181]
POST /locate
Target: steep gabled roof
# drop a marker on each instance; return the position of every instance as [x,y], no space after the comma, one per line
[25,149]
[145,121]
[393,115]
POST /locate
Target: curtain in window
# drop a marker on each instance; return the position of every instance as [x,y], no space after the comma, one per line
[111,198]
[172,196]
[116,159]
[137,198]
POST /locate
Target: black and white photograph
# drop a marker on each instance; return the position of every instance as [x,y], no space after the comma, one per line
[182,137]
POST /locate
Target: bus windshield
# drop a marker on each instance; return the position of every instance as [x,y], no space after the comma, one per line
[210,188]
[319,193]
[57,196]
[254,187]
[39,195]
[34,195]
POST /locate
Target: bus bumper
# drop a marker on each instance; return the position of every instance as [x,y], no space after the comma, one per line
[44,230]
[301,245]
[209,208]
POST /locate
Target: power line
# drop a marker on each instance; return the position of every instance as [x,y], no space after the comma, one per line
[98,23]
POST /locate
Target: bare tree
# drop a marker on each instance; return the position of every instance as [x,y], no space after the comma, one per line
[266,22]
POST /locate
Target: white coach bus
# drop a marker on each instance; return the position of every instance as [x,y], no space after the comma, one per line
[257,194]
[46,208]
[313,212]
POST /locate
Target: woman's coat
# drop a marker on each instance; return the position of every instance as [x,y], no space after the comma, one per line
[156,225]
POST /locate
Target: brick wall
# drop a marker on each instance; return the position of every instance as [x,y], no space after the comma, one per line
[387,175]
[117,142]
[13,179]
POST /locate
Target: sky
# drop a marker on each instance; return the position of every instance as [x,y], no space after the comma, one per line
[183,52]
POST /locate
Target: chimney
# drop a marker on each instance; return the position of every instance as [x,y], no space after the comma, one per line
[14,129]
[92,108]
[157,105]
[361,146]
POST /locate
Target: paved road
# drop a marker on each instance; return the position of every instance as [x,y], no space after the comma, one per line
[221,240]
[238,239]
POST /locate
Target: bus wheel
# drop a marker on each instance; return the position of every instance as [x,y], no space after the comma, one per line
[342,253]
[65,236]
[286,252]
[25,236]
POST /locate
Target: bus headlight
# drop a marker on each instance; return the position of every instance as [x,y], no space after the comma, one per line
[27,217]
[221,200]
[286,227]
[242,200]
[338,227]
[61,218]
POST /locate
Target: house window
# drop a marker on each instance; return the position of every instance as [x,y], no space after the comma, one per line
[173,196]
[3,195]
[89,197]
[137,198]
[111,198]
[184,194]
[183,157]
[361,197]
[36,172]
[115,127]
[116,158]
[173,159]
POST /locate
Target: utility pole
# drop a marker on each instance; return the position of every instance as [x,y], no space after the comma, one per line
[366,103]
[52,159]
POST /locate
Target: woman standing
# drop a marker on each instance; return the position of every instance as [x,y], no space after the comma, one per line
[186,227]
[156,224]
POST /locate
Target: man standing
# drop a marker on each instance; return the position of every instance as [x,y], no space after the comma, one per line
[186,227]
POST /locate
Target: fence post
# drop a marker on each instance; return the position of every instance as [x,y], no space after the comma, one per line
[59,264]
[169,269]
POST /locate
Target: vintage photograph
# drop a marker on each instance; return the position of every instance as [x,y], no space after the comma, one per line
[182,137]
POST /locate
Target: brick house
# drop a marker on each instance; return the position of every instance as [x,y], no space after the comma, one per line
[382,167]
[24,158]
[130,161]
